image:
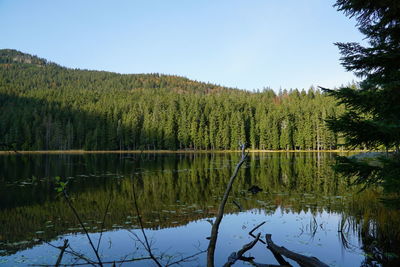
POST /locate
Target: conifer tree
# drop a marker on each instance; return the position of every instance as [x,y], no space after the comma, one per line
[46,106]
[372,117]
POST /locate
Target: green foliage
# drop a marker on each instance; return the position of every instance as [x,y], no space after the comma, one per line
[362,171]
[60,185]
[372,117]
[47,107]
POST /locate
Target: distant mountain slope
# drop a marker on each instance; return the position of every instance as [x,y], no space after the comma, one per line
[100,79]
[9,56]
[44,106]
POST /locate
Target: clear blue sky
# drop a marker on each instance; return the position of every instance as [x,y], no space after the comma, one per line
[248,44]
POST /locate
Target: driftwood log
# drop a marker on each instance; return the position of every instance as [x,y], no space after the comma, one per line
[300,259]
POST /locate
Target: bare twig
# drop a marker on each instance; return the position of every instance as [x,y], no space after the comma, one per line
[257,264]
[147,247]
[103,222]
[255,228]
[62,250]
[313,228]
[94,263]
[123,260]
[83,226]
[215,227]
[237,255]
[146,243]
[186,259]
[237,204]
[73,253]
[210,221]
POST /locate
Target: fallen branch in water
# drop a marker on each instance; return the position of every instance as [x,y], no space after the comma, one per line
[252,262]
[62,250]
[237,255]
[255,228]
[300,259]
[215,227]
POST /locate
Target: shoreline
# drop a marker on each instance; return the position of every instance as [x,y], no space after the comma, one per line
[167,151]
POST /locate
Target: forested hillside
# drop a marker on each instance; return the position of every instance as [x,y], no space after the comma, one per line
[44,106]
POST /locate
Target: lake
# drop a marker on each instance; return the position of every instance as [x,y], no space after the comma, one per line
[305,206]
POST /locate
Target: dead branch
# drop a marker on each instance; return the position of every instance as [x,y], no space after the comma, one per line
[237,255]
[62,250]
[102,223]
[215,227]
[237,204]
[255,228]
[73,253]
[97,263]
[280,259]
[257,264]
[146,243]
[300,259]
[186,259]
[83,226]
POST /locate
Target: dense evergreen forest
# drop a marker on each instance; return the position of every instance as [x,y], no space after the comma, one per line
[44,106]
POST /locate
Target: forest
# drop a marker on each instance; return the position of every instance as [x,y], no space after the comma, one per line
[45,106]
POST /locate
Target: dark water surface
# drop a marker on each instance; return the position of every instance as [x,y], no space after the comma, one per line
[306,207]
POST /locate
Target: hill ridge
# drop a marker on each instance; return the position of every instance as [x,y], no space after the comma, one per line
[15,57]
[47,107]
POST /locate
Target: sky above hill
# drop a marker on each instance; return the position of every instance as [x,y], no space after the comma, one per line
[236,43]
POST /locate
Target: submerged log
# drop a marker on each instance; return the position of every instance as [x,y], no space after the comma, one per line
[300,259]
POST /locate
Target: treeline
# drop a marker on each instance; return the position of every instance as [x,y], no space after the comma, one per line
[48,107]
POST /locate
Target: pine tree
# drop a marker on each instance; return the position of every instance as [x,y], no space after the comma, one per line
[372,117]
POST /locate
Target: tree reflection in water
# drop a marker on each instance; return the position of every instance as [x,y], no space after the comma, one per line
[180,190]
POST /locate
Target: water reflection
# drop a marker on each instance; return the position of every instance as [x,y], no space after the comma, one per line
[303,202]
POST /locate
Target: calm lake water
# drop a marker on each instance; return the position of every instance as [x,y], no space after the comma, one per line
[303,203]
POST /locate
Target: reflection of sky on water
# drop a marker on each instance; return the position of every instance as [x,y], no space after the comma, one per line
[292,230]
